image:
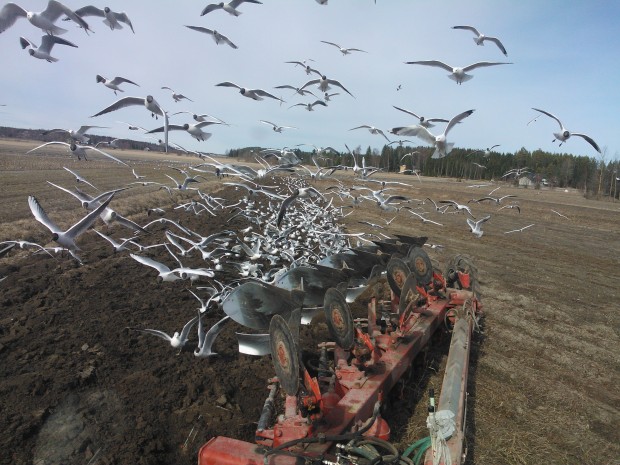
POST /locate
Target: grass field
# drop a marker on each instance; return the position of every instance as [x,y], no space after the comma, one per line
[545,378]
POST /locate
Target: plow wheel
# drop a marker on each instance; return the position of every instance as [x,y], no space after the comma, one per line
[420,265]
[409,295]
[462,274]
[284,355]
[397,272]
[339,319]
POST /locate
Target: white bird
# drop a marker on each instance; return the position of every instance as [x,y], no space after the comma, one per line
[66,238]
[200,118]
[480,38]
[457,74]
[559,214]
[195,130]
[79,178]
[206,340]
[327,96]
[457,206]
[565,134]
[117,246]
[178,340]
[442,147]
[217,37]
[277,128]
[309,69]
[255,94]
[43,52]
[114,83]
[112,19]
[79,150]
[309,106]
[165,273]
[79,135]
[133,127]
[177,97]
[344,51]
[372,129]
[44,20]
[426,122]
[148,102]
[477,225]
[297,90]
[520,229]
[324,84]
[230,7]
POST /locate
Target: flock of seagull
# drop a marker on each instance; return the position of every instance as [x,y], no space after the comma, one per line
[291,223]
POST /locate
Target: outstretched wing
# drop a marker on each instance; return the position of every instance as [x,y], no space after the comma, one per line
[9,14]
[457,119]
[438,64]
[498,43]
[40,215]
[468,28]
[122,103]
[483,64]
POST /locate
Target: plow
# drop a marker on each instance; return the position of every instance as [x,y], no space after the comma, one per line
[328,410]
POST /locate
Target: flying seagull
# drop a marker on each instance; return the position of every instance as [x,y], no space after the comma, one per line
[309,106]
[372,129]
[324,84]
[217,37]
[79,150]
[114,83]
[426,122]
[565,134]
[457,74]
[43,52]
[79,135]
[254,94]
[345,51]
[277,128]
[66,238]
[480,38]
[476,226]
[230,7]
[112,19]
[177,97]
[442,147]
[44,20]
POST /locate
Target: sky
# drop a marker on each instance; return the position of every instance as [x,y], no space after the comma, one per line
[564,57]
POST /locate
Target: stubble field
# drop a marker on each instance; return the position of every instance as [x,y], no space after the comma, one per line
[77,387]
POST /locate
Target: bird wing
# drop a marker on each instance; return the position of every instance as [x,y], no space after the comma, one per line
[336,83]
[267,122]
[482,64]
[84,129]
[228,41]
[209,339]
[123,18]
[468,28]
[50,143]
[155,332]
[551,116]
[9,14]
[187,328]
[24,42]
[285,204]
[122,103]
[310,83]
[319,102]
[407,111]
[498,43]
[48,41]
[152,263]
[77,196]
[438,64]
[107,155]
[40,215]
[56,9]
[264,93]
[457,119]
[86,222]
[201,29]
[210,8]
[171,127]
[331,43]
[118,80]
[228,84]
[90,10]
[589,140]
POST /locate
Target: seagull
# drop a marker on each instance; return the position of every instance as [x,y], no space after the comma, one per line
[477,225]
[511,206]
[480,38]
[255,94]
[520,229]
[277,128]
[459,75]
[195,130]
[297,90]
[79,178]
[327,96]
[178,340]
[89,203]
[177,97]
[485,152]
[117,247]
[309,106]
[66,238]
[206,340]
[44,20]
[45,49]
[442,147]
[302,192]
[457,206]
[309,69]
[112,19]
[149,103]
[372,129]
[165,273]
[230,7]
[493,199]
[79,135]
[217,37]
[133,127]
[424,220]
[426,122]
[79,150]
[564,134]
[559,214]
[114,83]
[345,51]
[323,84]
[200,118]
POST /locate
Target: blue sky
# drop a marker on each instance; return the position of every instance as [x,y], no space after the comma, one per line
[565,56]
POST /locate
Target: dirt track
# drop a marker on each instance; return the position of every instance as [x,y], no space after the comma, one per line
[75,382]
